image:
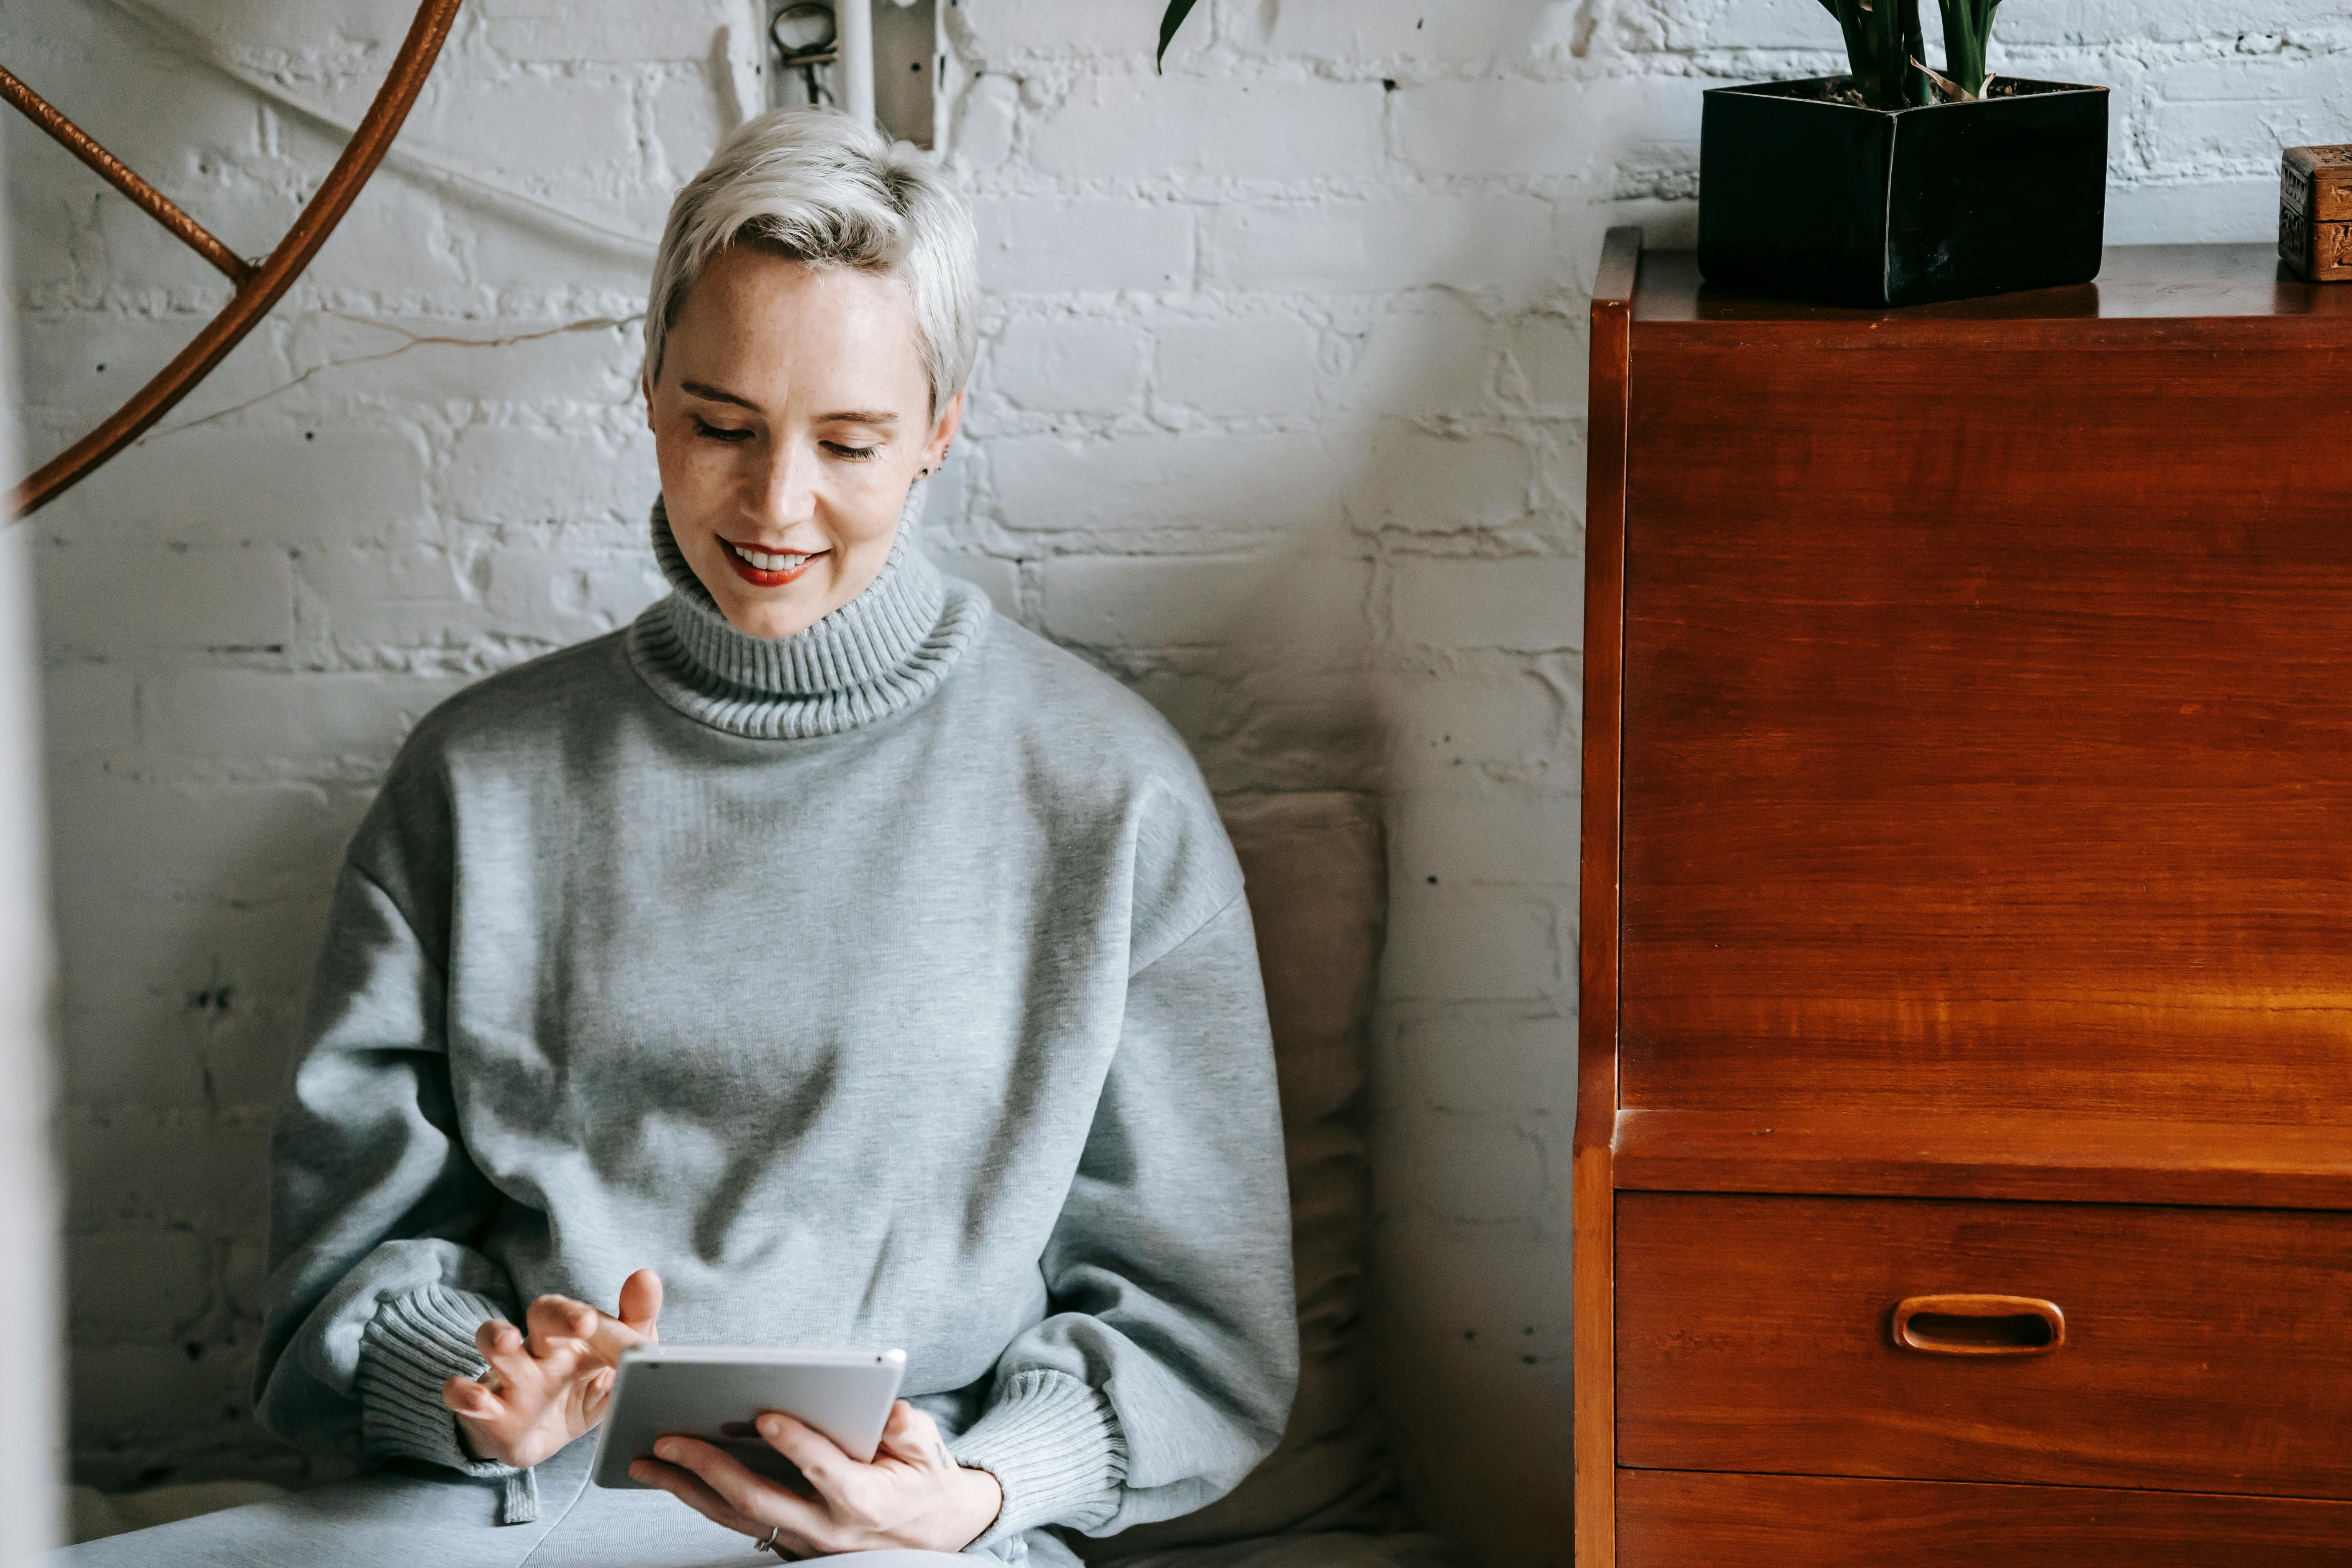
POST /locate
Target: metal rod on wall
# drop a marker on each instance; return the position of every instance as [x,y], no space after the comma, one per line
[115,173]
[263,286]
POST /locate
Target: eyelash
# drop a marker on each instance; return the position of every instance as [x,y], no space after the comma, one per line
[718,433]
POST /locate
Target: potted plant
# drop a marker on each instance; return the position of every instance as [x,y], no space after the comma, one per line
[1898,184]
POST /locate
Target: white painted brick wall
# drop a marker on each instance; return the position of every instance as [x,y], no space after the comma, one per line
[1280,417]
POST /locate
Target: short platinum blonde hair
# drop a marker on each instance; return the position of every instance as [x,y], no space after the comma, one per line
[819,187]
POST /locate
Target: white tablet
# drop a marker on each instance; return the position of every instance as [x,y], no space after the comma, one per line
[716,1391]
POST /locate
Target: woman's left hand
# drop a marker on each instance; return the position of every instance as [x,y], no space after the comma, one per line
[914,1494]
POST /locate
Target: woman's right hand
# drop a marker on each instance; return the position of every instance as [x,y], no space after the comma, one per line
[551,1384]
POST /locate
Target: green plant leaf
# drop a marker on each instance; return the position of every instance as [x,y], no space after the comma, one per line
[1968,24]
[1177,11]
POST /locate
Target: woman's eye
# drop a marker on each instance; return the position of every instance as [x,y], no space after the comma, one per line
[719,432]
[854,454]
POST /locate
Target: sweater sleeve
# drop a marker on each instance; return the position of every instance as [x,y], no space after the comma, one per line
[1165,1367]
[373,1293]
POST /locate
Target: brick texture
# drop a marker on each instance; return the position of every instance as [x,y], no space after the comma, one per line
[1279,418]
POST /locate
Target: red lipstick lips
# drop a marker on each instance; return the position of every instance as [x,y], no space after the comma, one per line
[759,577]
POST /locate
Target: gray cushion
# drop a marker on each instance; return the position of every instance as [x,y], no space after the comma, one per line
[1317,889]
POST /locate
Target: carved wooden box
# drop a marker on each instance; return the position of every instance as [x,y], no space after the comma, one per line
[2316,211]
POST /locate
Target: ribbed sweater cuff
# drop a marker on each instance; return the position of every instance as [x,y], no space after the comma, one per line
[412,1345]
[1054,1446]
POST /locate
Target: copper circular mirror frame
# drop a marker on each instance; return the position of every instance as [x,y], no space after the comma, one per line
[258,286]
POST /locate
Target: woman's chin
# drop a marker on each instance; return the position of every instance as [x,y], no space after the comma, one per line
[771,605]
[772,613]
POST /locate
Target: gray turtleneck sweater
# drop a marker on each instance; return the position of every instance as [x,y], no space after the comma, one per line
[887,984]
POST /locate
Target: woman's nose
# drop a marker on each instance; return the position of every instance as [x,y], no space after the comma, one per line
[787,485]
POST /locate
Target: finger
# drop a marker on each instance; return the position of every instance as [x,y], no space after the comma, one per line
[596,1393]
[641,1301]
[553,1318]
[640,1304]
[820,1458]
[524,1372]
[561,1325]
[467,1397]
[911,1436]
[695,1492]
[534,1364]
[753,1496]
[501,1344]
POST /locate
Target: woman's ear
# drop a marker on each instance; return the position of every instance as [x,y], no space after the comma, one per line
[645,385]
[943,436]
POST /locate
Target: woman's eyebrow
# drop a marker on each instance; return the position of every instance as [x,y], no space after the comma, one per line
[716,395]
[858,416]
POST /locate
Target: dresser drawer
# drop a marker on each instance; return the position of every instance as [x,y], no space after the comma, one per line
[2202,1349]
[1669,1518]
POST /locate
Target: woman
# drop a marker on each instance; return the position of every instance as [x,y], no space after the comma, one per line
[819,961]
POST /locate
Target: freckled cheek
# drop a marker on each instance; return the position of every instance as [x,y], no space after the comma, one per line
[700,471]
[682,463]
[865,514]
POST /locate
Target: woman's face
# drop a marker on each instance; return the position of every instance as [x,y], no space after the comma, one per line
[790,414]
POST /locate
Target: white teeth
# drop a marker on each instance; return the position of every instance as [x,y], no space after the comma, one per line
[767,562]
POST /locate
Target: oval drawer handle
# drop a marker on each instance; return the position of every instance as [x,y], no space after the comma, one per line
[1978,1325]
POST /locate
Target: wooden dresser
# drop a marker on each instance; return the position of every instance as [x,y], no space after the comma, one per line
[1963,1167]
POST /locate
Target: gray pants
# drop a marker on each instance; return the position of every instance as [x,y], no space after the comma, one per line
[421,1519]
[416,1519]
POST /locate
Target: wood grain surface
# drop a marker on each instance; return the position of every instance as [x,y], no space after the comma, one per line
[1674,1519]
[1987,728]
[1591,1177]
[1982,1156]
[1967,816]
[2145,294]
[2205,1348]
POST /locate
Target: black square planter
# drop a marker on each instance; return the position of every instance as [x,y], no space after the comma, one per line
[1804,195]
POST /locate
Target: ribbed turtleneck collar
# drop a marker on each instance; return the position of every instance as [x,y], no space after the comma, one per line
[883,651]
